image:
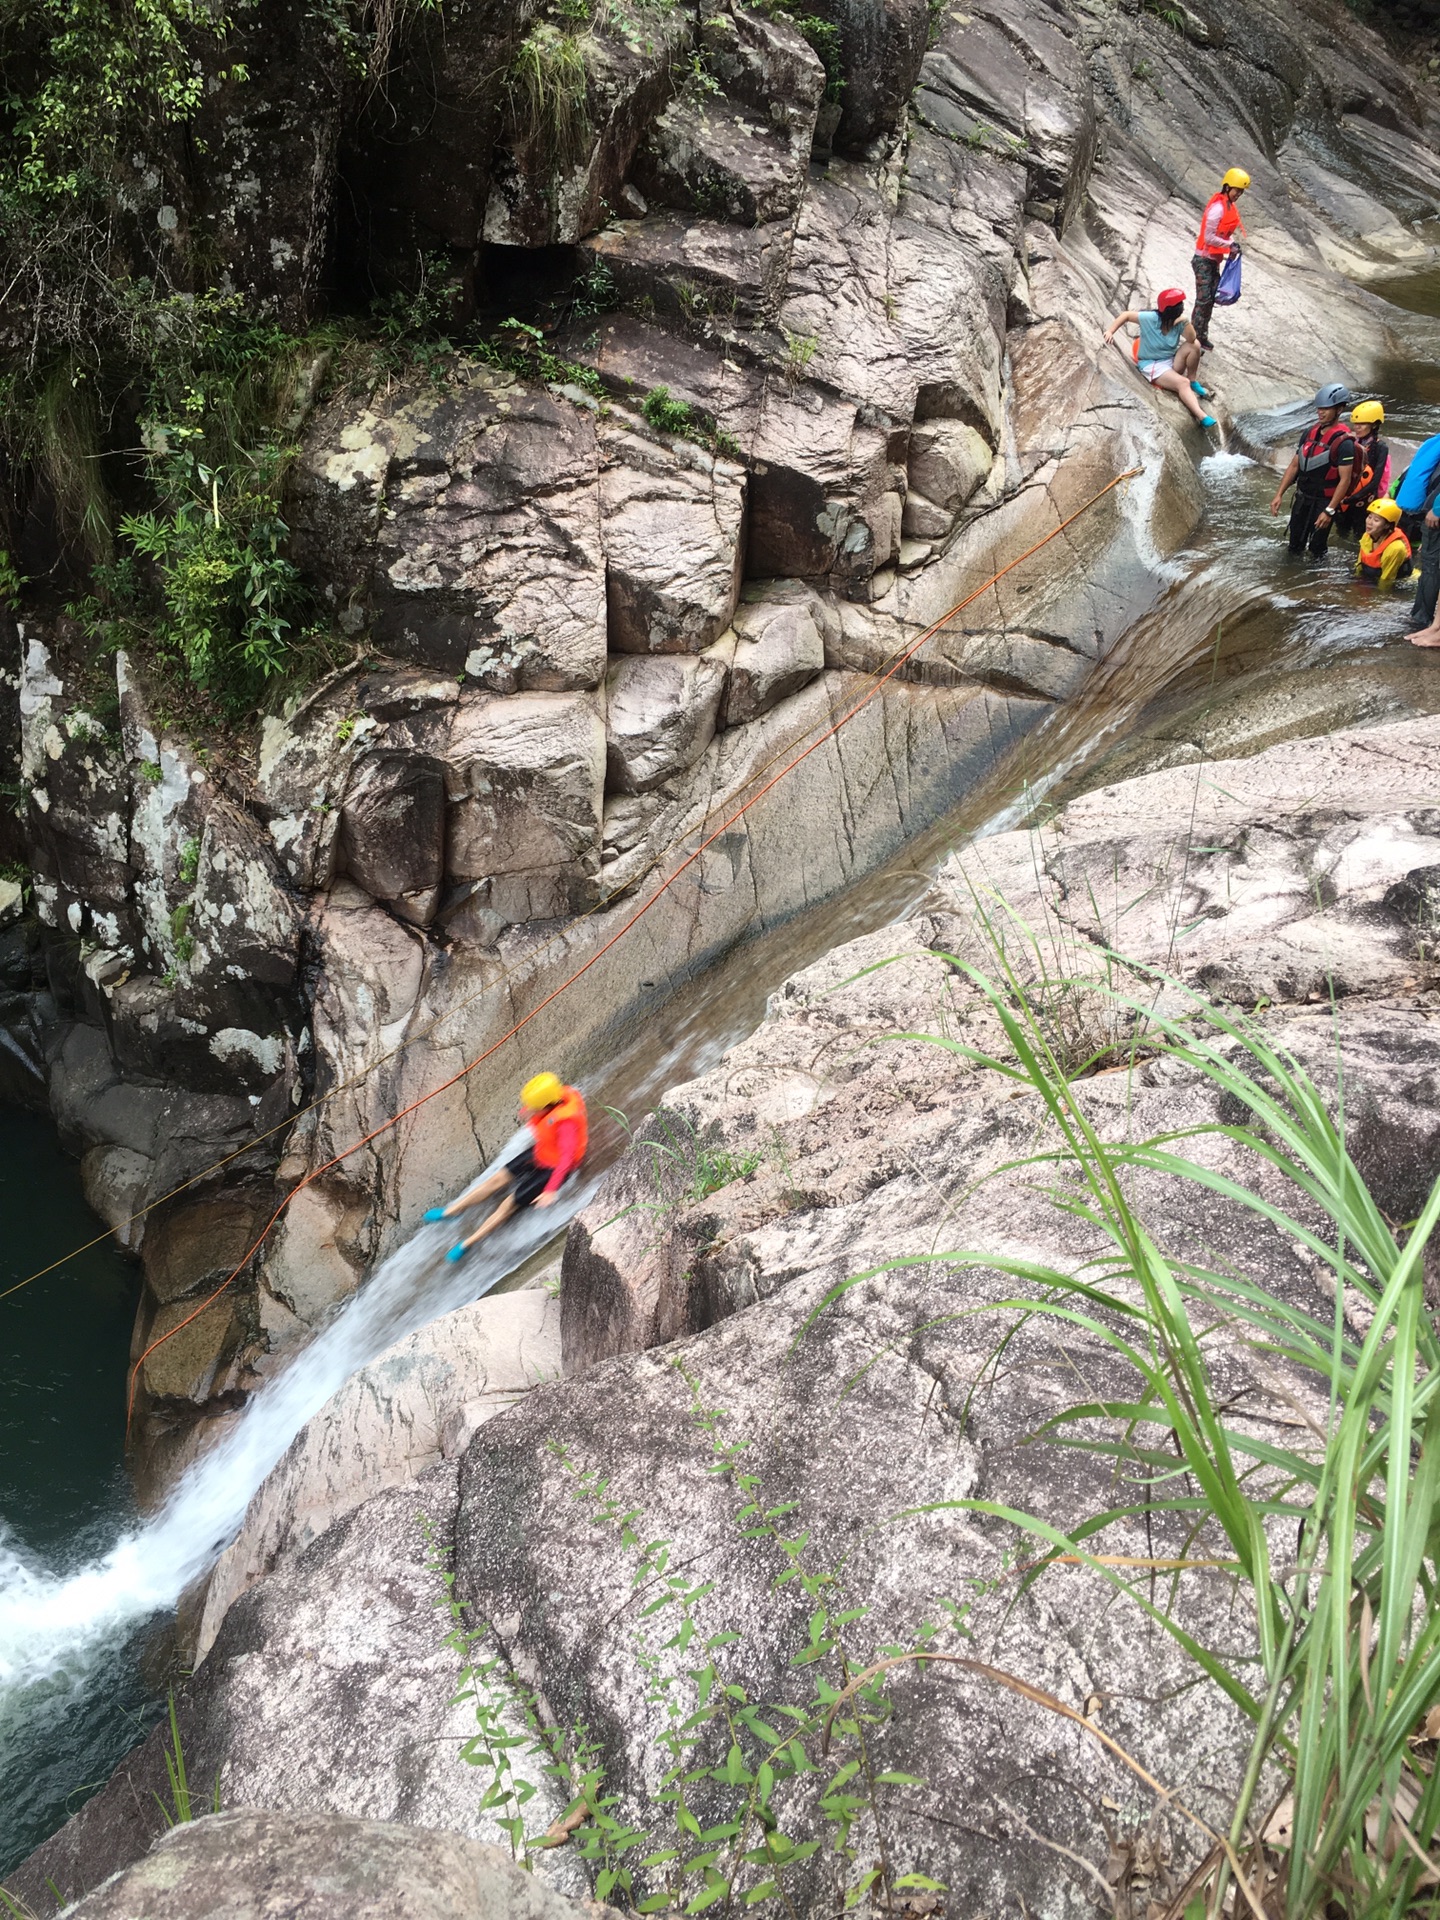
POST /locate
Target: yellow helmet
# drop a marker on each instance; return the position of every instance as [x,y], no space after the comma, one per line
[1369,413]
[1386,509]
[543,1090]
[1236,177]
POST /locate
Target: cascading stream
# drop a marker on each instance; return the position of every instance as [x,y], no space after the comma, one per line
[1233,620]
[61,1627]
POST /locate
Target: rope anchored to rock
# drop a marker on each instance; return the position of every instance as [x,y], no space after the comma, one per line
[901,659]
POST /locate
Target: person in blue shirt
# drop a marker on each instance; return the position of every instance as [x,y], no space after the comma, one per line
[1418,494]
[1167,351]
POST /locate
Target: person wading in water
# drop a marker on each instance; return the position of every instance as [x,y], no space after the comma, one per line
[1384,559]
[1320,470]
[1371,478]
[1214,245]
[1167,352]
[559,1134]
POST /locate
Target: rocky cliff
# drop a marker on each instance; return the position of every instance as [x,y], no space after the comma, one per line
[823,360]
[836,1303]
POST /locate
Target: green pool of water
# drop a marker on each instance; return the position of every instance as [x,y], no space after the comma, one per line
[64,1342]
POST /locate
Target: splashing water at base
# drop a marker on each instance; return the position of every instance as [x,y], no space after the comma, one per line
[62,1626]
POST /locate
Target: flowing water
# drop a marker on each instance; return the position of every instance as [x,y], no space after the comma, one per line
[1243,647]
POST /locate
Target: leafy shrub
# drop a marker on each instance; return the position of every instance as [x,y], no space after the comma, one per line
[759,1803]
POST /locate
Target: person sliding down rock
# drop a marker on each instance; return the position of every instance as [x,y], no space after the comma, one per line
[1167,352]
[1214,245]
[555,1115]
[1384,550]
[1371,477]
[1320,471]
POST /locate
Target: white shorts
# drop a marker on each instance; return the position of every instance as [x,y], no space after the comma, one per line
[1152,369]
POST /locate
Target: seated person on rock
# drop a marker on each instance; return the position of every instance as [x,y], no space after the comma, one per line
[1167,352]
[555,1115]
[1371,478]
[1320,471]
[1384,559]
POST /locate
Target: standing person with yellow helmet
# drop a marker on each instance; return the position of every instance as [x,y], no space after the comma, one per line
[1214,245]
[1371,478]
[559,1134]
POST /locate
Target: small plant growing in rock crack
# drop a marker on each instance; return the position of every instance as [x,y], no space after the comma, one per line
[685,1167]
[547,86]
[800,349]
[666,414]
[520,348]
[737,1775]
[183,1806]
[189,863]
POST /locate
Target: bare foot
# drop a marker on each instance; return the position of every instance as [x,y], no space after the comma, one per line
[1430,637]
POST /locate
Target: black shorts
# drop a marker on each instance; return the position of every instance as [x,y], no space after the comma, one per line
[528,1181]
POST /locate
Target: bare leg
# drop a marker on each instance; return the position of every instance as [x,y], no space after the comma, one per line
[1172,382]
[498,1218]
[1187,361]
[484,1189]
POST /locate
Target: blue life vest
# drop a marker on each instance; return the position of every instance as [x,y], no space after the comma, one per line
[1420,475]
[1155,342]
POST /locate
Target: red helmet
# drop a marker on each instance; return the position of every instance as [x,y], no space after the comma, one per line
[1171,297]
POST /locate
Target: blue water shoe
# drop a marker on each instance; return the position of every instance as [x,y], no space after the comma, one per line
[1200,393]
[432,1214]
[456,1253]
[1209,421]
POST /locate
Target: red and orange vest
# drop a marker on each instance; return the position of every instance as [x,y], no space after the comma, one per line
[1218,226]
[545,1128]
[1374,559]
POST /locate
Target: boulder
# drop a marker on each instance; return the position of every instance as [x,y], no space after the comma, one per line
[881,45]
[192,1367]
[117,1183]
[762,62]
[414,1406]
[524,778]
[269,126]
[824,494]
[558,178]
[1017,79]
[660,717]
[708,156]
[948,461]
[418,159]
[778,646]
[464,517]
[254,1866]
[392,831]
[672,522]
[702,273]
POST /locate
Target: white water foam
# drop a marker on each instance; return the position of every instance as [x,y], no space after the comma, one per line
[59,1627]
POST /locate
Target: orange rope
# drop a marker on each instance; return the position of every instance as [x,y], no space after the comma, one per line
[564,986]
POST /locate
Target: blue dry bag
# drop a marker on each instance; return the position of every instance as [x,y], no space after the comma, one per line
[1228,291]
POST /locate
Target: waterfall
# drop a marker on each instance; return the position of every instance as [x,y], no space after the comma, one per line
[60,1625]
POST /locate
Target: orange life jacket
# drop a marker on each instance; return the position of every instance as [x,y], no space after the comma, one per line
[545,1127]
[1374,559]
[1225,226]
